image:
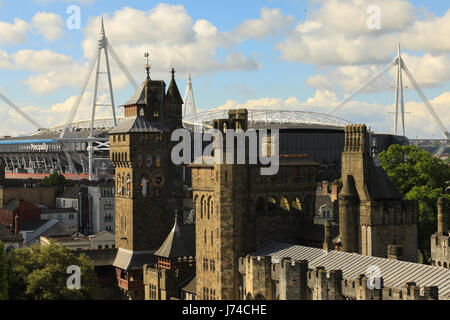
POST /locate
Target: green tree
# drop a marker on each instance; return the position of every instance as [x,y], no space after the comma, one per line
[418,176]
[54,180]
[40,273]
[3,273]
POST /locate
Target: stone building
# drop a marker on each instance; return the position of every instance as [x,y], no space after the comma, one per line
[440,240]
[237,210]
[291,272]
[175,265]
[372,215]
[148,186]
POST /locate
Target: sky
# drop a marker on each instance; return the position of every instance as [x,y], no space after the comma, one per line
[304,55]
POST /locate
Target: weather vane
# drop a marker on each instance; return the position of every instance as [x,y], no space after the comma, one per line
[147,66]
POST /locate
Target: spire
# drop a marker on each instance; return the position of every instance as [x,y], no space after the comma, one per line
[173,94]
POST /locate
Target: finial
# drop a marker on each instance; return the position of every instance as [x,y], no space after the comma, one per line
[147,66]
[173,73]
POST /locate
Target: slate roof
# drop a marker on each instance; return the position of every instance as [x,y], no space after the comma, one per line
[395,273]
[132,260]
[51,228]
[11,205]
[179,243]
[7,236]
[71,193]
[381,187]
[139,96]
[191,286]
[138,124]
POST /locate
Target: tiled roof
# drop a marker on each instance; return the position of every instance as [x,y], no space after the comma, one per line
[138,124]
[179,243]
[395,273]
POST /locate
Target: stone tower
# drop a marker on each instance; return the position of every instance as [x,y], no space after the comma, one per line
[148,186]
[238,210]
[372,215]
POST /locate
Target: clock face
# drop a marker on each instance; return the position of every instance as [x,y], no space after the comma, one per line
[158,180]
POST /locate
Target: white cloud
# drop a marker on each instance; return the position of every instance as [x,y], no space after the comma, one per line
[271,22]
[173,39]
[419,122]
[337,33]
[50,25]
[13,33]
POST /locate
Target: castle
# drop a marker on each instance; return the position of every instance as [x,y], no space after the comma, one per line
[254,236]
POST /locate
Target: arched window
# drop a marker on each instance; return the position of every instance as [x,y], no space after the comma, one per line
[202,206]
[284,204]
[211,207]
[205,236]
[212,238]
[445,264]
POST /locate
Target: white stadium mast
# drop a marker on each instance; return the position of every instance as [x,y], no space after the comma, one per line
[398,61]
[95,144]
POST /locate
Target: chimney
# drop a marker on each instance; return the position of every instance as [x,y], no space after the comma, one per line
[16,224]
[442,217]
[325,188]
[334,191]
[327,241]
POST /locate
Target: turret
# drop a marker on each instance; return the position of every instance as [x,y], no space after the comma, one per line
[442,217]
[327,241]
[348,231]
[173,105]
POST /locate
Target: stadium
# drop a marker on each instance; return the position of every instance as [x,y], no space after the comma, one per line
[319,135]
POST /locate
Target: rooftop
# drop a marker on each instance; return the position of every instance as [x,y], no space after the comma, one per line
[395,273]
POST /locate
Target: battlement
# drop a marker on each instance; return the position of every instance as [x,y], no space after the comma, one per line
[410,291]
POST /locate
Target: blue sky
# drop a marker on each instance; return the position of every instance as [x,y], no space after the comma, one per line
[285,54]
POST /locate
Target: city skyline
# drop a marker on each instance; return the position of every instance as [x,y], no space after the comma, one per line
[292,55]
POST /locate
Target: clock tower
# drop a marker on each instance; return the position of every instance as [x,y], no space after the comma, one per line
[148,186]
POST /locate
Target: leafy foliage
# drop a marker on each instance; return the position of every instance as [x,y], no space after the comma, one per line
[418,176]
[39,273]
[3,274]
[54,180]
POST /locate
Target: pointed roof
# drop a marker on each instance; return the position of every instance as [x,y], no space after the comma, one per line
[179,243]
[139,96]
[173,94]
